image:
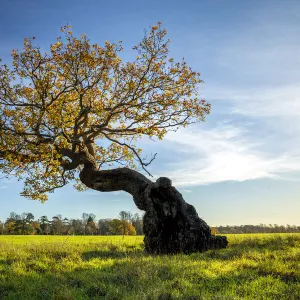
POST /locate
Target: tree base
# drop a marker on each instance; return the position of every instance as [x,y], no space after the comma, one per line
[173,226]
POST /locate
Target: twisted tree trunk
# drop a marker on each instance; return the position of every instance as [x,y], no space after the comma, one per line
[170,224]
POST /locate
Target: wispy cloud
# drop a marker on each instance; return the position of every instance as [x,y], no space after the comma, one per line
[187,191]
[225,153]
[281,101]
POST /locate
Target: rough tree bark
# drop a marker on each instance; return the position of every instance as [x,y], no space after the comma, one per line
[170,224]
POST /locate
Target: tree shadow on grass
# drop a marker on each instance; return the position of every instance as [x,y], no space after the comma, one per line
[234,251]
[259,245]
[106,254]
[113,252]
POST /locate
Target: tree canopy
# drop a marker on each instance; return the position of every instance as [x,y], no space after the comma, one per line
[79,103]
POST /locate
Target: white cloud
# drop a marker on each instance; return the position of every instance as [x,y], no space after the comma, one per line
[281,101]
[277,102]
[224,153]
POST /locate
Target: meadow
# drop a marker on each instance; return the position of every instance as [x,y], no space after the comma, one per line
[254,266]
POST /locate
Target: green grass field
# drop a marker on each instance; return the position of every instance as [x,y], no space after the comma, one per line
[60,267]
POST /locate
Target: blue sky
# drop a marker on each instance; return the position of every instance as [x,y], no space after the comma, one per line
[243,165]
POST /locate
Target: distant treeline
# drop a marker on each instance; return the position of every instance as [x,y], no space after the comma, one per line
[261,228]
[126,224]
[26,223]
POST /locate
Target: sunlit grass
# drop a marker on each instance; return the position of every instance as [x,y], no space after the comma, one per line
[256,266]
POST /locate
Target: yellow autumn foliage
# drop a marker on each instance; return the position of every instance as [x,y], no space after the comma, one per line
[82,97]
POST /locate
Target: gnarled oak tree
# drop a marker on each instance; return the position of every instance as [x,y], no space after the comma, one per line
[68,113]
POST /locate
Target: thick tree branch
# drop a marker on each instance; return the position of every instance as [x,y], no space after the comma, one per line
[121,179]
[77,159]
